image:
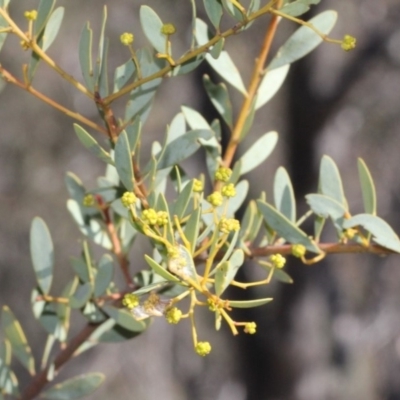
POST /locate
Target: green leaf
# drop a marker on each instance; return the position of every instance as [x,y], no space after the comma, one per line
[105,273]
[330,183]
[159,270]
[124,318]
[367,187]
[14,333]
[123,161]
[75,388]
[216,50]
[81,269]
[284,194]
[85,56]
[232,10]
[285,228]
[8,381]
[122,75]
[46,313]
[92,145]
[214,11]
[110,332]
[249,303]
[242,188]
[101,79]
[226,273]
[5,352]
[249,120]
[182,148]
[192,228]
[140,99]
[134,132]
[52,27]
[81,296]
[270,85]
[298,7]
[258,152]
[281,276]
[42,254]
[382,233]
[226,68]
[75,187]
[43,13]
[151,26]
[188,66]
[325,207]
[89,226]
[304,40]
[34,60]
[219,96]
[182,201]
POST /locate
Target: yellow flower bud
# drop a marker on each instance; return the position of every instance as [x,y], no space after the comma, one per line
[203,348]
[277,260]
[30,15]
[173,315]
[215,199]
[198,185]
[88,200]
[229,190]
[250,328]
[298,250]
[348,43]
[130,301]
[223,174]
[127,38]
[128,199]
[168,29]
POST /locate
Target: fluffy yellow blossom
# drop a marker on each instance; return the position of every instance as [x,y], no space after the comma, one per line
[198,185]
[30,15]
[298,250]
[250,328]
[130,301]
[227,225]
[168,29]
[203,348]
[229,190]
[128,199]
[277,260]
[348,43]
[150,216]
[88,200]
[127,38]
[215,199]
[173,315]
[223,174]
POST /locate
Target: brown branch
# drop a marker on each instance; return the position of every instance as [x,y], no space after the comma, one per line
[257,75]
[40,380]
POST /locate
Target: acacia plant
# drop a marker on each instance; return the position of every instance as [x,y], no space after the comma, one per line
[198,245]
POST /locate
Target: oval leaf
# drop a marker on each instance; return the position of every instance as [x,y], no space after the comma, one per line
[284,194]
[382,233]
[258,152]
[304,40]
[367,188]
[14,333]
[249,303]
[123,161]
[75,388]
[285,228]
[105,273]
[270,84]
[42,254]
[124,318]
[151,26]
[52,27]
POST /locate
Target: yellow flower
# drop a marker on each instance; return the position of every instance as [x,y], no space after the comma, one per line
[229,190]
[203,348]
[128,199]
[127,38]
[30,15]
[173,315]
[250,328]
[227,225]
[348,43]
[168,29]
[277,260]
[298,250]
[162,218]
[215,199]
[198,185]
[150,216]
[130,301]
[88,200]
[223,174]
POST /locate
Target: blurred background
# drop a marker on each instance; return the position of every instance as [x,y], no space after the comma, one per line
[335,333]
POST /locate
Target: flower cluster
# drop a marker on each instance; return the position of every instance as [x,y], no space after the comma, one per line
[223,174]
[250,328]
[298,250]
[198,185]
[153,217]
[127,38]
[348,43]
[229,190]
[30,15]
[215,199]
[173,315]
[227,225]
[168,29]
[277,260]
[88,200]
[203,348]
[128,199]
[130,301]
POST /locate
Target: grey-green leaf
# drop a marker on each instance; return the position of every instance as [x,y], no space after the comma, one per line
[52,27]
[159,270]
[381,231]
[81,296]
[75,388]
[123,161]
[304,40]
[124,318]
[105,273]
[43,13]
[14,333]
[151,26]
[285,228]
[284,194]
[270,85]
[227,271]
[214,11]
[258,152]
[330,183]
[367,188]
[85,56]
[249,303]
[219,96]
[92,145]
[42,254]
[122,74]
